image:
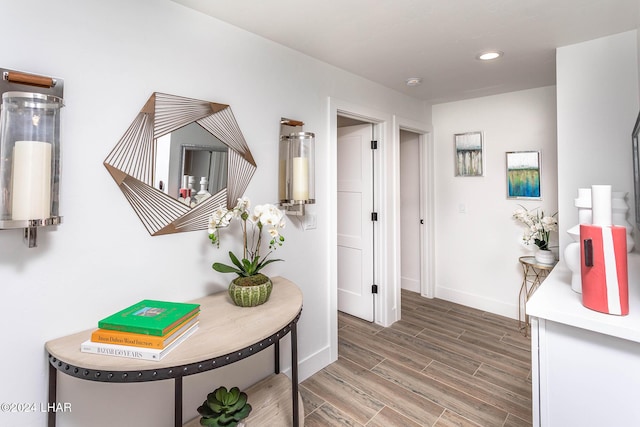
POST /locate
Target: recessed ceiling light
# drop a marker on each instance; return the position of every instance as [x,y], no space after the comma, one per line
[414,81]
[490,55]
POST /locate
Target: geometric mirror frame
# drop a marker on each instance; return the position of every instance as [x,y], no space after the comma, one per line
[132,162]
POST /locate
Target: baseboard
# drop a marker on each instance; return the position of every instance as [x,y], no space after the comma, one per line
[478,301]
[410,284]
[312,364]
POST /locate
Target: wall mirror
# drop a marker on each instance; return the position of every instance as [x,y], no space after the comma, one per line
[171,137]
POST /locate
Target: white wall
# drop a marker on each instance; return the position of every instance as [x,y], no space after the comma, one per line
[638,48]
[477,250]
[597,107]
[112,56]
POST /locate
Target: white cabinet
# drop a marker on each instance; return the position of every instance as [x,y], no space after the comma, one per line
[585,364]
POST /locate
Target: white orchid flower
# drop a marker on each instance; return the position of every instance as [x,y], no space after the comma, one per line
[538,226]
[263,216]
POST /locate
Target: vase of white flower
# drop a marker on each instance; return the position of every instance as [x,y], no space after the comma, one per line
[538,231]
[250,288]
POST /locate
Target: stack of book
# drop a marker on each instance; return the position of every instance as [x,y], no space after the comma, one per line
[146,330]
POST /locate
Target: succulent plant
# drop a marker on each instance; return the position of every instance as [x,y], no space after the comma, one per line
[224,408]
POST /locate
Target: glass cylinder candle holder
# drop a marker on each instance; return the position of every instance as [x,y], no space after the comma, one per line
[29,159]
[297,169]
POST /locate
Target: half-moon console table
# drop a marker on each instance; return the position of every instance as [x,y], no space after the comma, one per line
[226,334]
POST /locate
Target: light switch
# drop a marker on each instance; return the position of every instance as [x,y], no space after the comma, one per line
[310,221]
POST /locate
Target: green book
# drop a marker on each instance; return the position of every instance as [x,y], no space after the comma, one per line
[149,317]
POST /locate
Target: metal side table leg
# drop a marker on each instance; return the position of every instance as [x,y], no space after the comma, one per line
[53,385]
[178,402]
[294,374]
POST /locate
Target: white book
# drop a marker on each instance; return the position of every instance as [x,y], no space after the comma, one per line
[135,352]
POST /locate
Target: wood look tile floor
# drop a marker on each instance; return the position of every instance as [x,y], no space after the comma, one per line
[442,365]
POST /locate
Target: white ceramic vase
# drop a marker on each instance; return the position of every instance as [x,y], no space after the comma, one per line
[572,251]
[572,259]
[545,256]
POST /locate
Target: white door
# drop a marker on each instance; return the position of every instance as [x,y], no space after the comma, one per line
[355,228]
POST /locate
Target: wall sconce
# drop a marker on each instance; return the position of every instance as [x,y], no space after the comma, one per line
[297,167]
[29,152]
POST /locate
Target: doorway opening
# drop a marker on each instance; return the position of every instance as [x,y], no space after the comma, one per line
[411,220]
[417,198]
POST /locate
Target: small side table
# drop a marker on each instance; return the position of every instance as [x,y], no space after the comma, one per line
[534,274]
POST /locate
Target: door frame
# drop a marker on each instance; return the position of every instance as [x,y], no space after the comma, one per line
[387,203]
[427,200]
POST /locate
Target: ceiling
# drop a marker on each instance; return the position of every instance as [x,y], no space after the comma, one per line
[389,41]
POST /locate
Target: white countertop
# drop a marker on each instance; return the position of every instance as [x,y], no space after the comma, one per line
[557,302]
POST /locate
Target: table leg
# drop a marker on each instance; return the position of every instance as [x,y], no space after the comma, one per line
[178,402]
[294,375]
[53,385]
[276,347]
[532,279]
[522,300]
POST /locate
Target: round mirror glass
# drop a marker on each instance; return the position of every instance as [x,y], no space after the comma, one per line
[190,158]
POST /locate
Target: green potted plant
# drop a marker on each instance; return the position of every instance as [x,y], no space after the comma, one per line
[224,408]
[250,288]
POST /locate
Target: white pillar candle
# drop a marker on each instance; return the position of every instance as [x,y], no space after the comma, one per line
[300,186]
[601,205]
[31,185]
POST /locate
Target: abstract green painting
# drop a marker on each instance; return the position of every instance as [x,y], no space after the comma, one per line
[523,175]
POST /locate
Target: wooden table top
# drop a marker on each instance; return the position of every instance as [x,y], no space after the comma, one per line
[224,328]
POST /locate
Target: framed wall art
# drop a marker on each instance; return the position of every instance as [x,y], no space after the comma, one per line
[469,154]
[523,175]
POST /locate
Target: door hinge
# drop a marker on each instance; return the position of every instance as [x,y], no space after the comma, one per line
[374,289]
[374,145]
[374,216]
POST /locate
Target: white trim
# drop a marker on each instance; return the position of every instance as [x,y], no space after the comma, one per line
[311,364]
[332,290]
[479,302]
[537,336]
[388,242]
[543,374]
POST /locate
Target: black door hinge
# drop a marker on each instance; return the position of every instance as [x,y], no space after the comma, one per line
[374,145]
[374,216]
[374,289]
